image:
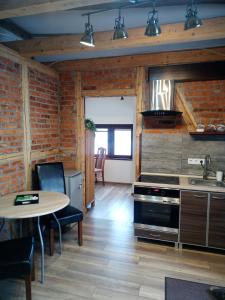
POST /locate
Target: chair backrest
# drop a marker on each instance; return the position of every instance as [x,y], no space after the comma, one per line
[50,177]
[100,158]
[16,257]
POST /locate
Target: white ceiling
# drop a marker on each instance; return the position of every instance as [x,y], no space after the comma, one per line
[72,21]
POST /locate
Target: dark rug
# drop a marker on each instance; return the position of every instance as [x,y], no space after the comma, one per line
[177,289]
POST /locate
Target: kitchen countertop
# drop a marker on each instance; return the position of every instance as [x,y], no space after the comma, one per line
[184,184]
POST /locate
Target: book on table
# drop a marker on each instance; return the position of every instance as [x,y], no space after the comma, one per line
[27,199]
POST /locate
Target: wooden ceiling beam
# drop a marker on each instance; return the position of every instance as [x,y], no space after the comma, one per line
[144,60]
[171,34]
[13,8]
[11,27]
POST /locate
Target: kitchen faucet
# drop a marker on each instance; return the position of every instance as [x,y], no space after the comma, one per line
[206,166]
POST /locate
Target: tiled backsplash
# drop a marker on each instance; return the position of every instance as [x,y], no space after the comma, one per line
[169,153]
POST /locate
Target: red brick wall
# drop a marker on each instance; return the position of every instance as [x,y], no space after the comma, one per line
[44,111]
[109,79]
[44,115]
[11,106]
[11,126]
[11,176]
[44,122]
[207,99]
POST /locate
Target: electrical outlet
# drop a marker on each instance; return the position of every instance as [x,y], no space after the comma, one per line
[196,161]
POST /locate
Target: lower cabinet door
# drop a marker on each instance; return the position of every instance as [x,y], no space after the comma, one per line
[217,221]
[193,217]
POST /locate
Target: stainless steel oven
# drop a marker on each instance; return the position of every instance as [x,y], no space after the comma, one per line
[156,212]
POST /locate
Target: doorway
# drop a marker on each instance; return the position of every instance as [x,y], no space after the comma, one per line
[111,113]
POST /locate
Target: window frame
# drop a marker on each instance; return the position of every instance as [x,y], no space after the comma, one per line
[111,140]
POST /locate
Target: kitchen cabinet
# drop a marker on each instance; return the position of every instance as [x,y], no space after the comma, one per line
[193,217]
[73,181]
[216,237]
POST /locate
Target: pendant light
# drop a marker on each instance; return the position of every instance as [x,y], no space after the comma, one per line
[153,28]
[192,19]
[120,31]
[88,37]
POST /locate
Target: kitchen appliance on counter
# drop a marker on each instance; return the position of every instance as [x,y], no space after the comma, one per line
[156,209]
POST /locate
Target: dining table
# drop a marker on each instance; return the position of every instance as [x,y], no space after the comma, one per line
[48,203]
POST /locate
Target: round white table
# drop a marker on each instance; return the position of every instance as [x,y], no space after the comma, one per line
[49,203]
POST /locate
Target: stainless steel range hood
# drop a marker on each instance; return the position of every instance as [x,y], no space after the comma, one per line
[161,97]
[161,104]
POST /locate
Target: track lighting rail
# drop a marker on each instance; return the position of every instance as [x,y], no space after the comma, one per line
[121,6]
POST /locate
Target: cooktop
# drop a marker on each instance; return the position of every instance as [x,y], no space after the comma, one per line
[159,179]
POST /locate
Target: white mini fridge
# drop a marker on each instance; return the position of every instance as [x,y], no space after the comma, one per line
[73,180]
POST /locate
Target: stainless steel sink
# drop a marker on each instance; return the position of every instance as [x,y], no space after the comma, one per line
[205,182]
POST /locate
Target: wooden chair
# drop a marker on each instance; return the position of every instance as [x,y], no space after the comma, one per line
[16,261]
[100,164]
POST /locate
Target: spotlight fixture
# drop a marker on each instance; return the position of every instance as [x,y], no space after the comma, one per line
[88,37]
[120,31]
[153,28]
[192,19]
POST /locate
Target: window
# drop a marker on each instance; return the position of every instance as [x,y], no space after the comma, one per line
[101,139]
[117,139]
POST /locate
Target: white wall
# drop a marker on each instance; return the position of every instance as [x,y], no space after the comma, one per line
[112,110]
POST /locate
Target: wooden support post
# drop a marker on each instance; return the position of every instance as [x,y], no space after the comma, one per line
[80,131]
[26,127]
[183,106]
[140,91]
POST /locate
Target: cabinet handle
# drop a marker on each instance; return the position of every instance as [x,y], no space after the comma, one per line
[199,196]
[80,186]
[154,235]
[218,198]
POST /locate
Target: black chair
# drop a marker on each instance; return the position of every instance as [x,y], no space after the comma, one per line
[50,177]
[16,261]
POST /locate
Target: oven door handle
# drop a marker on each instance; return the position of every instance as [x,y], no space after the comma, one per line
[160,200]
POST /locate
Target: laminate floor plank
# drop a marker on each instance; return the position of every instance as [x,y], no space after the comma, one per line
[112,263]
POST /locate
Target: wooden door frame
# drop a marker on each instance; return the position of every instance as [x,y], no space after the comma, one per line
[138,92]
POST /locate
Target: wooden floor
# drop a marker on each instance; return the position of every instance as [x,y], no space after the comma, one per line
[112,264]
[113,202]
